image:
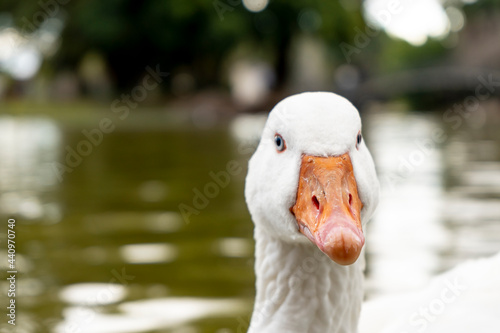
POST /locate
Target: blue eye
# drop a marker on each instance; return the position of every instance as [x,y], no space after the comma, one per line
[280,143]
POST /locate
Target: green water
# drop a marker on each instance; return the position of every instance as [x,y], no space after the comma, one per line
[128,191]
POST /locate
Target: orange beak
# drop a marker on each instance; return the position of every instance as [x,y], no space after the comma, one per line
[328,208]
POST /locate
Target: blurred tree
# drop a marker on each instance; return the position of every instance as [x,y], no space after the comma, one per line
[198,34]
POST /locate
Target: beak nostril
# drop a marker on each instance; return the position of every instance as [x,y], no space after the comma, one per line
[350,199]
[315,201]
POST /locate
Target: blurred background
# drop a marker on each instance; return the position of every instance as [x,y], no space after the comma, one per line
[126,127]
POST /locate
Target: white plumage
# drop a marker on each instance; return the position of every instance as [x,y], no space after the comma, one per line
[463,300]
[299,289]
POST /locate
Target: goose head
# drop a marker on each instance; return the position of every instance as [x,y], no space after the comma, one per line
[312,179]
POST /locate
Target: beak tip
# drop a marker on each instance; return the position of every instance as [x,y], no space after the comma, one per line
[343,245]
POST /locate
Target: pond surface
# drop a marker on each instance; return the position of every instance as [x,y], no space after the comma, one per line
[102,245]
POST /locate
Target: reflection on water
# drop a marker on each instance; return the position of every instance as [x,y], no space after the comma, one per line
[28,149]
[234,247]
[123,259]
[148,253]
[406,236]
[440,198]
[93,294]
[151,315]
[86,313]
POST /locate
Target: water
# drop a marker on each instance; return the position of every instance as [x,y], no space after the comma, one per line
[440,201]
[103,247]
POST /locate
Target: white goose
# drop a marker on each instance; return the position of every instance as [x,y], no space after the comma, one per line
[311,172]
[311,188]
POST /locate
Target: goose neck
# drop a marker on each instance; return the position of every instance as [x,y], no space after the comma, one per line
[299,289]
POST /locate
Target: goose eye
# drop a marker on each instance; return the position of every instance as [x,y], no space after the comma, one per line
[280,143]
[358,140]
